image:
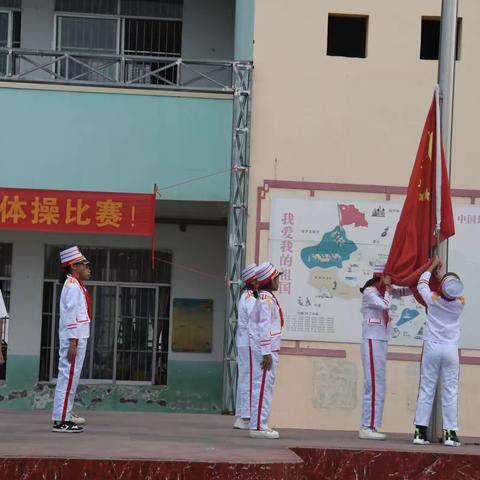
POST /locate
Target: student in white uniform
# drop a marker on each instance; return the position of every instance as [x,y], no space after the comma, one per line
[244,354]
[3,317]
[374,347]
[440,358]
[265,330]
[74,330]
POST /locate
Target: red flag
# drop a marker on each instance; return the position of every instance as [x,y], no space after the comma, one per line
[349,214]
[415,233]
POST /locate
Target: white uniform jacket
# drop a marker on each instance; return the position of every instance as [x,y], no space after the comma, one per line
[265,328]
[376,324]
[246,305]
[443,316]
[74,310]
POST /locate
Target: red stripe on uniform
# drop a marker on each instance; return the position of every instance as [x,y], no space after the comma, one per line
[372,375]
[69,386]
[260,400]
[251,379]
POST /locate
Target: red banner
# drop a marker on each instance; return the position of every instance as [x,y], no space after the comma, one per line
[82,212]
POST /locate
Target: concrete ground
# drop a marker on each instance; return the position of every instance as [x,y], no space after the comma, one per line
[167,436]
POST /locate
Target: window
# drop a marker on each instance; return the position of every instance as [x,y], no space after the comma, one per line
[5,276]
[10,23]
[106,7]
[347,36]
[130,319]
[430,41]
[132,28]
[11,4]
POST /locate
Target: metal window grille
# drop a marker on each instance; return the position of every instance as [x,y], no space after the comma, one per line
[149,8]
[128,36]
[5,283]
[130,317]
[151,38]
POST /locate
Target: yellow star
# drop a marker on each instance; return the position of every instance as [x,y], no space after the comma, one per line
[424,196]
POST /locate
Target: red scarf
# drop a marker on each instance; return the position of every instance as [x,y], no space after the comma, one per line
[279,310]
[88,298]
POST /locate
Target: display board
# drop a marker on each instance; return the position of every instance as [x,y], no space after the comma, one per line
[327,249]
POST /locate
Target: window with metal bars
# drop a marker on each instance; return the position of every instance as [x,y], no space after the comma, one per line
[130,317]
[5,283]
[141,29]
[129,8]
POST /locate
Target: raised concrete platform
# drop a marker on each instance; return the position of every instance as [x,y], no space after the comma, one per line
[138,446]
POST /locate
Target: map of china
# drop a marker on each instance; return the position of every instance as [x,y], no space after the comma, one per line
[333,249]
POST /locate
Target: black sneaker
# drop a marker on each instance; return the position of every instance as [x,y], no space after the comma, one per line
[66,427]
[450,438]
[420,437]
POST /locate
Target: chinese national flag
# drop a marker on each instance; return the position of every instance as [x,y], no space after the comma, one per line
[350,215]
[415,233]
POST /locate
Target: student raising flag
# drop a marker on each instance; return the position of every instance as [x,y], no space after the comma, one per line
[427,216]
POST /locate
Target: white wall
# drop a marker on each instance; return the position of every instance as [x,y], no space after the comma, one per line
[200,247]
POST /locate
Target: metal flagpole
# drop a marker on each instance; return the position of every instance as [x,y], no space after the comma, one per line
[446,83]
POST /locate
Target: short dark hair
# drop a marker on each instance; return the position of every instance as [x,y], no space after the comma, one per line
[451,274]
[370,283]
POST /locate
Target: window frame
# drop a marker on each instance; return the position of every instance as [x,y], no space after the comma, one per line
[157,351]
[120,41]
[10,12]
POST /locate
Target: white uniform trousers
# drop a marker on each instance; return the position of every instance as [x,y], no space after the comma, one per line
[374,359]
[67,381]
[244,382]
[263,382]
[439,360]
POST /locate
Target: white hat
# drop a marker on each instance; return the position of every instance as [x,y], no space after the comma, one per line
[452,287]
[265,273]
[70,256]
[378,269]
[248,273]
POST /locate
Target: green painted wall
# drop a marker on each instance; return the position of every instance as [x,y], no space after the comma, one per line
[115,142]
[194,387]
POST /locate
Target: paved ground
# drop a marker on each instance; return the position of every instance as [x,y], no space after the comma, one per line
[166,436]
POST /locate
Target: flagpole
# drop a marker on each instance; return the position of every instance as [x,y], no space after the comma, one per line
[438,166]
[446,84]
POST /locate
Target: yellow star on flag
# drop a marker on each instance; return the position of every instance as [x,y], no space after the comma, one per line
[424,196]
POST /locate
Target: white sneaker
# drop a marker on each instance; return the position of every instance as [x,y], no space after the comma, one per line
[450,438]
[270,434]
[77,420]
[368,433]
[241,424]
